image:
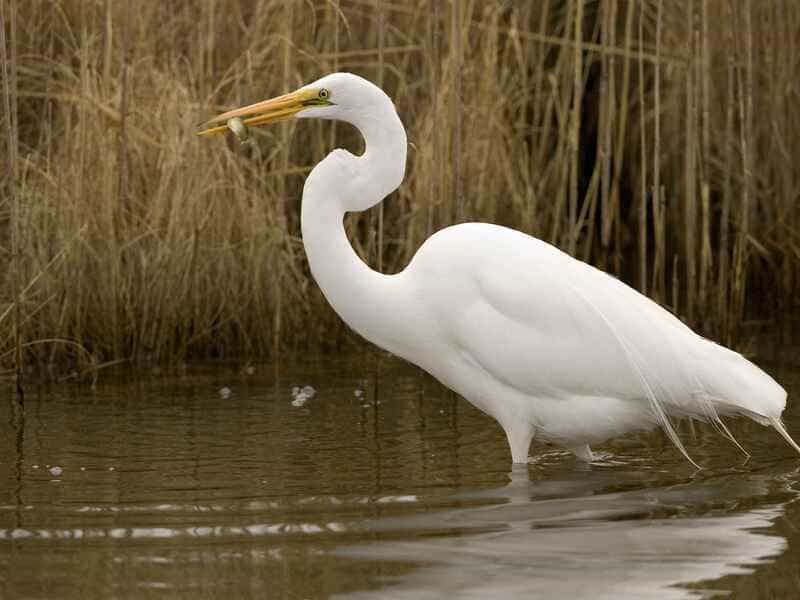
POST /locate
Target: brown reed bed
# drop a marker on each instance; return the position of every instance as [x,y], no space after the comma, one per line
[654,138]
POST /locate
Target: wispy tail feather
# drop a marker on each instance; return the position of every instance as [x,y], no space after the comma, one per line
[633,357]
[747,390]
[727,433]
[712,416]
[779,427]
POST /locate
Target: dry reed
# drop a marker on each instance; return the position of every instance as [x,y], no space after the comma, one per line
[9,72]
[653,138]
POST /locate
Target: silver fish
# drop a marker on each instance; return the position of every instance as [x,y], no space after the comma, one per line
[237,126]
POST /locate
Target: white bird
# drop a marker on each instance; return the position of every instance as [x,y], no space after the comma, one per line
[546,344]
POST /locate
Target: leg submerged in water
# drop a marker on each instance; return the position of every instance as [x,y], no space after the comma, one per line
[583,453]
[519,440]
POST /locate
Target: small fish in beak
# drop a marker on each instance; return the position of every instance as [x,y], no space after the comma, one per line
[237,126]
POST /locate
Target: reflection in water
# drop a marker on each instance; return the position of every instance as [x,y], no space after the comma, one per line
[581,547]
[169,489]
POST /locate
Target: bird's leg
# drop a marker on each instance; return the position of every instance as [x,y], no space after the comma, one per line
[519,439]
[584,453]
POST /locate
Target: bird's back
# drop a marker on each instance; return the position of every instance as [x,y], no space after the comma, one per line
[547,324]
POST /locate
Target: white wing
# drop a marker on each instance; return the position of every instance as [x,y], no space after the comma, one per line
[552,326]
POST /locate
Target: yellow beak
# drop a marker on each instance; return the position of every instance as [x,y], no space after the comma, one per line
[268,111]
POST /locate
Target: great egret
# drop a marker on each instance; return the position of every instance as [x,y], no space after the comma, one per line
[544,343]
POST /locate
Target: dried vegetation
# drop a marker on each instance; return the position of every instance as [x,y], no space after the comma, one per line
[655,138]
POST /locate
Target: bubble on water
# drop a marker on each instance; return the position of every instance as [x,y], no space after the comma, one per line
[111,468]
[34,466]
[83,468]
[358,393]
[225,392]
[55,471]
[301,395]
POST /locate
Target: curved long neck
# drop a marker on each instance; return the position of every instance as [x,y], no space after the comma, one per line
[368,301]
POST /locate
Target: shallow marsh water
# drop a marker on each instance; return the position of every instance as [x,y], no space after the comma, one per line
[215,483]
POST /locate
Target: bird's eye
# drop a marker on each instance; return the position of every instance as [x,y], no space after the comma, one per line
[324,94]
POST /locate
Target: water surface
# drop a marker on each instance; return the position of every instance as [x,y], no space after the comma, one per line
[229,482]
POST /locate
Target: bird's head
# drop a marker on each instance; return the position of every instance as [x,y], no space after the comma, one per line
[339,96]
[342,97]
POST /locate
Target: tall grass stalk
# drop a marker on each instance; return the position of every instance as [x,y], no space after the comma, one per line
[8,57]
[659,260]
[643,160]
[690,164]
[457,111]
[655,139]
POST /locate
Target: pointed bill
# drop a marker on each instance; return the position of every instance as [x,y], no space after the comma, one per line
[268,111]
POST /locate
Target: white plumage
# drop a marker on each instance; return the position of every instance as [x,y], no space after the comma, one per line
[549,346]
[577,355]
